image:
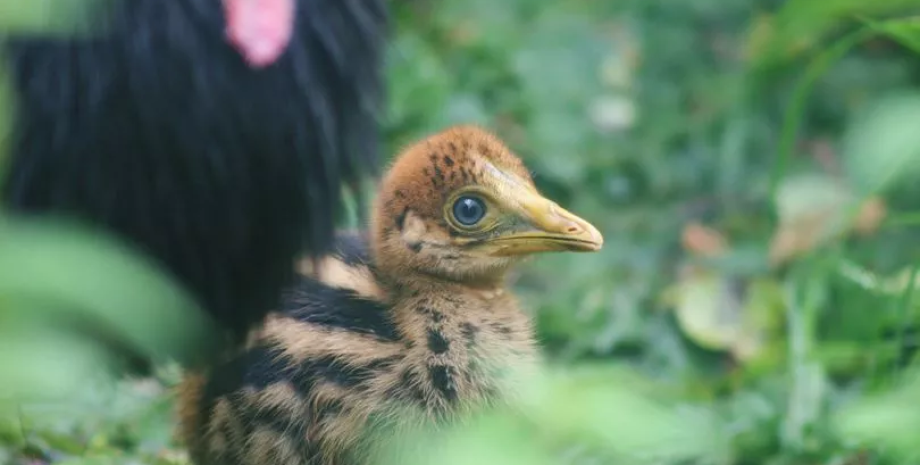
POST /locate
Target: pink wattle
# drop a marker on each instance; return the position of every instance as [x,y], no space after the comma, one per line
[259,29]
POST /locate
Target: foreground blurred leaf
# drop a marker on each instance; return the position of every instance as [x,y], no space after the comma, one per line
[48,16]
[41,363]
[603,413]
[56,278]
[491,439]
[621,415]
[887,421]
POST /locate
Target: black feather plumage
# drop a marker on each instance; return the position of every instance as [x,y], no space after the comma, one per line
[158,130]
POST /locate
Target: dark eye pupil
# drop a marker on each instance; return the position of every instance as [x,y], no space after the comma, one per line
[469,210]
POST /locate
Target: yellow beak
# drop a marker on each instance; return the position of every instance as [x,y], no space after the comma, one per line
[550,228]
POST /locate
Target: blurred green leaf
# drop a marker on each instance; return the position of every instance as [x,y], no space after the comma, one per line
[722,312]
[614,411]
[49,16]
[806,13]
[805,294]
[796,109]
[801,24]
[490,439]
[607,411]
[886,420]
[418,89]
[42,363]
[708,310]
[904,30]
[7,110]
[59,277]
[893,284]
[763,318]
[882,145]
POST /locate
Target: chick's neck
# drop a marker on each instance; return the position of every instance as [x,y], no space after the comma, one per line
[408,282]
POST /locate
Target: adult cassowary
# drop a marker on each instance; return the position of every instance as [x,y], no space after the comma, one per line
[214,136]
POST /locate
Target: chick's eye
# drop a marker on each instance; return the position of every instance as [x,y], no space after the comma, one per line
[469,210]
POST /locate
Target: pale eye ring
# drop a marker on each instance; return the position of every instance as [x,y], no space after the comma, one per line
[469,210]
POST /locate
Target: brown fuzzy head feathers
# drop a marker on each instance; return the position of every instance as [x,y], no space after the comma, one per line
[460,206]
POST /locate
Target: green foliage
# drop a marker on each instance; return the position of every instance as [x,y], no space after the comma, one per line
[881,150]
[49,16]
[750,163]
[609,414]
[58,280]
[6,116]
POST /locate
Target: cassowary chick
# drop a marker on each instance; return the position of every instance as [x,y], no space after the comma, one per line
[412,324]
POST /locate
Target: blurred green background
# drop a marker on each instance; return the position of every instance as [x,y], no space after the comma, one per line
[752,165]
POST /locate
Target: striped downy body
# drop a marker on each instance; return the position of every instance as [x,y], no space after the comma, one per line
[406,324]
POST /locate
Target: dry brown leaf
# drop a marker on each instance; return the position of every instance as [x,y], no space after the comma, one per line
[815,209]
[793,240]
[870,216]
[703,241]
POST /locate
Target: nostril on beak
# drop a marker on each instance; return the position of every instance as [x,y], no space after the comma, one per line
[573,229]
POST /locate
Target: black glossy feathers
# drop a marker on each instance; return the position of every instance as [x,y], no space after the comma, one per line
[160,132]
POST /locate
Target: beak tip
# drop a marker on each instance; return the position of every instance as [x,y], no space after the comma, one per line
[591,240]
[597,239]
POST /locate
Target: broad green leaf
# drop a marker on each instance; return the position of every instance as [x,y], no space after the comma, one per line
[882,144]
[494,438]
[54,274]
[41,363]
[886,420]
[617,412]
[605,411]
